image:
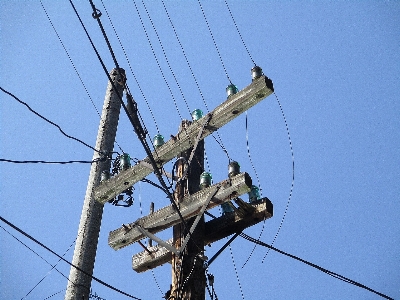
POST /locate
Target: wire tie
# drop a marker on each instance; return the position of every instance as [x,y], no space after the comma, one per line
[96,14]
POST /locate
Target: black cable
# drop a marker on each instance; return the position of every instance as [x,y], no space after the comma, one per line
[51,162]
[37,254]
[63,259]
[48,121]
[326,271]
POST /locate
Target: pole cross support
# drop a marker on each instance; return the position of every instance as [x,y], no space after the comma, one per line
[206,121]
[199,215]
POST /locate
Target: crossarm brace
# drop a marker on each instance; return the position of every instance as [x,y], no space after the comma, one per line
[199,215]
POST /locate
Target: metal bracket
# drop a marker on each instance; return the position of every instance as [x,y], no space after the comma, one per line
[199,215]
[157,240]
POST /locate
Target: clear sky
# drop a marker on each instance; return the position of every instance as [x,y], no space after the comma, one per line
[336,69]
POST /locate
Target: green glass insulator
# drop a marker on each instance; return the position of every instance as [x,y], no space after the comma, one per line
[205,180]
[233,169]
[226,208]
[231,89]
[197,114]
[125,161]
[254,194]
[158,140]
[105,175]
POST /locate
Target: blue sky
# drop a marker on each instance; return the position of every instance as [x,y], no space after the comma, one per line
[336,69]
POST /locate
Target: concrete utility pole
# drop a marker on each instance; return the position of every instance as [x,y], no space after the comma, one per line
[89,227]
[188,275]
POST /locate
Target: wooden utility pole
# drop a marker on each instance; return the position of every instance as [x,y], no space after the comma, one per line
[188,274]
[185,250]
[89,227]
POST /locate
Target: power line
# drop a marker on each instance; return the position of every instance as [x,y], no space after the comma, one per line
[213,39]
[238,31]
[130,68]
[63,259]
[326,271]
[48,121]
[37,254]
[73,65]
[52,162]
[292,184]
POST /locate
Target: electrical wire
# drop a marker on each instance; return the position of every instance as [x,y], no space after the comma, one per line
[37,254]
[213,39]
[52,162]
[193,75]
[63,259]
[73,65]
[130,68]
[50,122]
[136,126]
[259,186]
[292,184]
[238,31]
[54,294]
[236,272]
[326,271]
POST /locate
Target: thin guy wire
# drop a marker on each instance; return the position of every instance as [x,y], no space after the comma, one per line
[292,184]
[236,272]
[238,31]
[157,61]
[326,271]
[130,68]
[50,122]
[213,39]
[63,259]
[73,65]
[259,185]
[194,77]
[166,57]
[54,294]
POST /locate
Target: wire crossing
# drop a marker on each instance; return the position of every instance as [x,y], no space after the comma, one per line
[63,259]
